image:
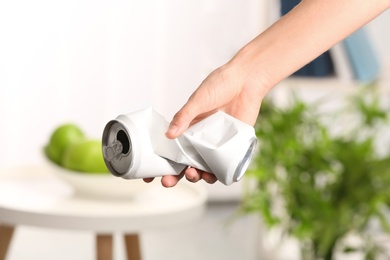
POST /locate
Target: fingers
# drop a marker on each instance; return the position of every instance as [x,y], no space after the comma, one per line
[195,107]
[176,127]
[209,177]
[180,123]
[148,180]
[194,175]
[171,180]
[185,118]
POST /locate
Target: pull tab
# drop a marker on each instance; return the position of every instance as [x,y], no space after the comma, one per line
[113,150]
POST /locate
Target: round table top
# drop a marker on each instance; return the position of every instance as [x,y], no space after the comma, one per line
[31,195]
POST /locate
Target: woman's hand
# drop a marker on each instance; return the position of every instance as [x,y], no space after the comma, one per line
[227,89]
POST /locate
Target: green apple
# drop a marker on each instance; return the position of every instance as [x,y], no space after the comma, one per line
[85,156]
[61,138]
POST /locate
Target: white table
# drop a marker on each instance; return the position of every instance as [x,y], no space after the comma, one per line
[30,195]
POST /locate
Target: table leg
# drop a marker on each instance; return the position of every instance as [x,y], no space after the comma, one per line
[104,247]
[133,248]
[6,233]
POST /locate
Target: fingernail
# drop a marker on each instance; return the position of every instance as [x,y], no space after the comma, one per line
[172,130]
[209,181]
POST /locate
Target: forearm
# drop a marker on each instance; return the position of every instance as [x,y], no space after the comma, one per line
[300,36]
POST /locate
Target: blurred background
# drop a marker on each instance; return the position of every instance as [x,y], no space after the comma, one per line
[88,61]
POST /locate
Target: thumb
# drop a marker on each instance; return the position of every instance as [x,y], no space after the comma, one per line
[197,106]
[180,122]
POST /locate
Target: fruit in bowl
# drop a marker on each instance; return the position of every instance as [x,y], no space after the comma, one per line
[61,138]
[78,160]
[85,156]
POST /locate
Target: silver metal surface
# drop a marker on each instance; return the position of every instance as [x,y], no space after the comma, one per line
[116,133]
[243,165]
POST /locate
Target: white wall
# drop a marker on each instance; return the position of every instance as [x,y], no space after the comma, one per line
[80,61]
[378,30]
[198,39]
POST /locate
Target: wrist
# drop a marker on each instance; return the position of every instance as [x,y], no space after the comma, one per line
[250,72]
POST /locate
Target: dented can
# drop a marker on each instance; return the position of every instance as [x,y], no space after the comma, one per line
[135,146]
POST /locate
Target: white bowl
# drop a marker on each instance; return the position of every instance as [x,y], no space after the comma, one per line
[98,185]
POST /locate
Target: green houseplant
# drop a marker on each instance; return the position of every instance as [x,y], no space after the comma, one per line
[325,173]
